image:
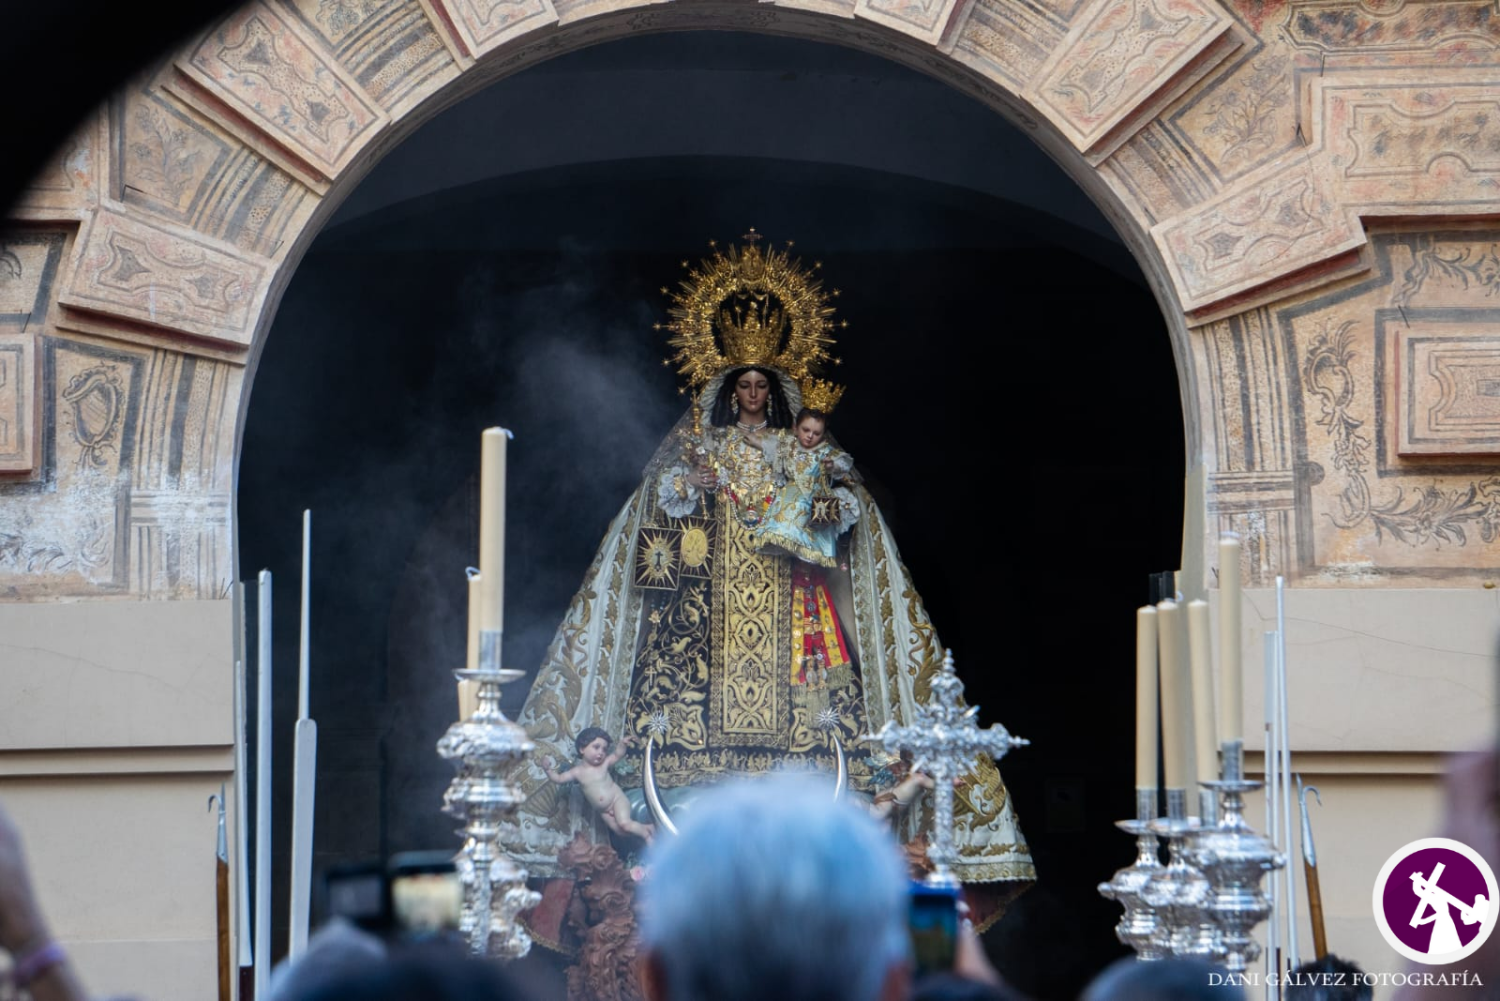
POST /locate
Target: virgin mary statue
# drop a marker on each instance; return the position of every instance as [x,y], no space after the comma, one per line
[736,651]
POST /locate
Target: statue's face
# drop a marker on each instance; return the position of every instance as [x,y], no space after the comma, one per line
[595,751]
[810,432]
[752,389]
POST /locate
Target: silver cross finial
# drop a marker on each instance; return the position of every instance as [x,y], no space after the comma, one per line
[944,738]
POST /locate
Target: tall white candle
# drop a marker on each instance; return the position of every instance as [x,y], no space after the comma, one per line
[1232,675]
[1145,698]
[492,528]
[1176,698]
[468,691]
[476,597]
[1201,657]
[263,791]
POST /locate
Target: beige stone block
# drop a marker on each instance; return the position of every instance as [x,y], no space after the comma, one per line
[169,278]
[116,674]
[125,870]
[19,410]
[1461,29]
[1363,819]
[1377,669]
[481,26]
[260,66]
[1008,42]
[69,184]
[1447,390]
[1273,224]
[1404,143]
[925,20]
[1122,62]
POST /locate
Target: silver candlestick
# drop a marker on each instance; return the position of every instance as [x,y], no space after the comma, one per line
[1235,859]
[487,746]
[1179,893]
[1138,924]
[944,739]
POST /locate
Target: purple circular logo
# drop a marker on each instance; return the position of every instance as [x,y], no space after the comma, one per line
[1435,901]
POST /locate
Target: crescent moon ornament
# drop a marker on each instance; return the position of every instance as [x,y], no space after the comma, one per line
[842,777]
[648,784]
[658,727]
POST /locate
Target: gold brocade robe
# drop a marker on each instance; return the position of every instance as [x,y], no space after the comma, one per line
[681,618]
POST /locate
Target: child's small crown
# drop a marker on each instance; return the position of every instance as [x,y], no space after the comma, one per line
[821,395]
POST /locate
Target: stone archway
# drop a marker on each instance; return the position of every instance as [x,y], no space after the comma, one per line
[1307,184]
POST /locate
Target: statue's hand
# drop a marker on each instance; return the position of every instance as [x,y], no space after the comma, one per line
[703,479]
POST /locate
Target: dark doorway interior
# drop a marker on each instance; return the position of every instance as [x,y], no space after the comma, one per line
[1012,400]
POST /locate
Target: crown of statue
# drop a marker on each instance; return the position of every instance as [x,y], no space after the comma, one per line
[821,395]
[749,306]
[751,334]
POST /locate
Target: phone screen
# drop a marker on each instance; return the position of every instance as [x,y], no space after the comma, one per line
[934,927]
[426,895]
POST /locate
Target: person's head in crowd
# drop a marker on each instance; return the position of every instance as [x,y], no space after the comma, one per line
[434,975]
[334,951]
[952,987]
[1163,980]
[1328,979]
[775,891]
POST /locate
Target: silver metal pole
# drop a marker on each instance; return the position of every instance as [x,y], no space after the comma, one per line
[1284,780]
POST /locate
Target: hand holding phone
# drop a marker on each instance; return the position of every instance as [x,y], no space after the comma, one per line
[933,920]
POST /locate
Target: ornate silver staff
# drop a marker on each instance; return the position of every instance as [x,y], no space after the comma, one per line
[487,746]
[944,740]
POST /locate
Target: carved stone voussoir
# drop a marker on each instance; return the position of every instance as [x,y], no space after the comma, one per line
[481,26]
[1265,231]
[1447,390]
[259,66]
[1402,145]
[1122,61]
[168,278]
[68,184]
[927,20]
[18,403]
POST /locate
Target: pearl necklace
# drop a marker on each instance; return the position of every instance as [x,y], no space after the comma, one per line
[751,427]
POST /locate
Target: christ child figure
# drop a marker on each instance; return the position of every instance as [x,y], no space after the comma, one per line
[599,787]
[809,464]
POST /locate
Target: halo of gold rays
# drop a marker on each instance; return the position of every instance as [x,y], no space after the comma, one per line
[745,305]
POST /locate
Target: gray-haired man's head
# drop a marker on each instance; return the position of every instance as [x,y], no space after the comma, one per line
[775,891]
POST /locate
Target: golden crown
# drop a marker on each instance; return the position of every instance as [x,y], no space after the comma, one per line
[748,306]
[821,395]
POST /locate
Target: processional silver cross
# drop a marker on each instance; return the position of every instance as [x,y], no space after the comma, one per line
[944,738]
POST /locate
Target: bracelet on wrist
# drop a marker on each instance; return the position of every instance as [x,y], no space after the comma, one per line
[34,964]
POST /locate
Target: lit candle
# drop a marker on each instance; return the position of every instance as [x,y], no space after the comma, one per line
[1199,649]
[492,528]
[1176,698]
[1145,698]
[1232,687]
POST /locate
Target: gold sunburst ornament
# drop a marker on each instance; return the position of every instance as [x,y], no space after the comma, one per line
[748,306]
[656,564]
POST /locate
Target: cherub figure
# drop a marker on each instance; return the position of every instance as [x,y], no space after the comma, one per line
[909,785]
[599,787]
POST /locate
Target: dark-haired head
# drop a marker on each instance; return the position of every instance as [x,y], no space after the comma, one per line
[448,977]
[778,411]
[589,734]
